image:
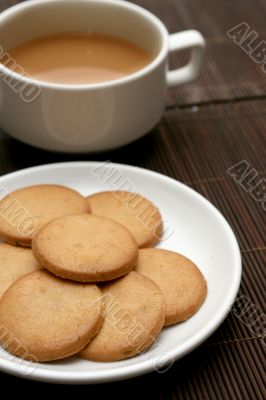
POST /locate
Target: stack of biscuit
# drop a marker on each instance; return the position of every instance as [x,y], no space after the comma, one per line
[84,278]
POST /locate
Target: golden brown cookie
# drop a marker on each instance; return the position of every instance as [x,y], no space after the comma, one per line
[46,318]
[85,248]
[14,263]
[134,211]
[134,316]
[181,282]
[25,210]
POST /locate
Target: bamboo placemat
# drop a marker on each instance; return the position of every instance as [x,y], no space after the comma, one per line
[229,73]
[206,129]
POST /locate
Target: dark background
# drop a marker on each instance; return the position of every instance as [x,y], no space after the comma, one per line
[208,127]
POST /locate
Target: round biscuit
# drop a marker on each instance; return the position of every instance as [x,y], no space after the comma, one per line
[138,214]
[25,210]
[85,248]
[134,316]
[14,263]
[180,280]
[45,318]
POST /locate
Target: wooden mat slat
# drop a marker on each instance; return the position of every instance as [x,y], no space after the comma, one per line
[245,215]
[228,72]
[239,77]
[226,133]
[212,18]
[204,131]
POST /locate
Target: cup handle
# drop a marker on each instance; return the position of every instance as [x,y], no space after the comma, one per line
[190,39]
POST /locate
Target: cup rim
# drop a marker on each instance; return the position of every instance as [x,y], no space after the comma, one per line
[101,85]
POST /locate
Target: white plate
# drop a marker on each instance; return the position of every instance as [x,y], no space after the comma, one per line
[195,229]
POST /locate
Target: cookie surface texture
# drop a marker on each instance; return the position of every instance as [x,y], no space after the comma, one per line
[134,211]
[85,248]
[45,318]
[14,263]
[181,282]
[25,210]
[134,316]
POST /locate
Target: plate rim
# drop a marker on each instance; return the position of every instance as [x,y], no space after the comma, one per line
[146,366]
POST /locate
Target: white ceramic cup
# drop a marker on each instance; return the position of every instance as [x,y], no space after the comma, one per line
[90,117]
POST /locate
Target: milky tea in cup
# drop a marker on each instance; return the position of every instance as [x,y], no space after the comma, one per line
[77,58]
